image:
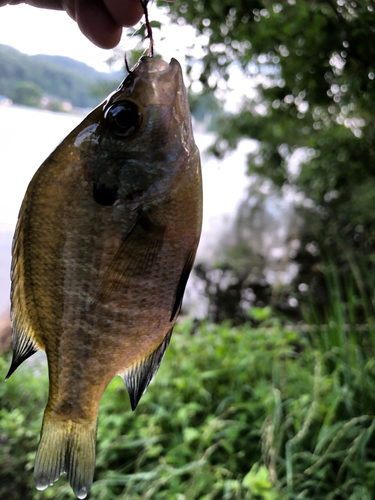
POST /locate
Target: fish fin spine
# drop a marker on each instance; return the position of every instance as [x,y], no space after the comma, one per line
[66,447]
[182,284]
[139,376]
[23,348]
[24,340]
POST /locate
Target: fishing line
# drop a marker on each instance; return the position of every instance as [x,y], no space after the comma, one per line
[133,34]
[150,49]
[123,45]
[144,4]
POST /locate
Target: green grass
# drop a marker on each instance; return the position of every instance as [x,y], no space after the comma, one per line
[267,413]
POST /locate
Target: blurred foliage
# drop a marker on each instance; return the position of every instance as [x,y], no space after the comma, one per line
[207,109]
[55,105]
[231,291]
[309,68]
[273,412]
[28,94]
[55,76]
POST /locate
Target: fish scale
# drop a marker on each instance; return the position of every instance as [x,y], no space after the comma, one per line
[105,242]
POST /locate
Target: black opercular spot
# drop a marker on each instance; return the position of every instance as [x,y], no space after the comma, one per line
[123,118]
[104,195]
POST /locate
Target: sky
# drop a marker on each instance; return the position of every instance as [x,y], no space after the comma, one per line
[41,31]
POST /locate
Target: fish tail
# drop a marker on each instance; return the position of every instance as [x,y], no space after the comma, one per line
[66,446]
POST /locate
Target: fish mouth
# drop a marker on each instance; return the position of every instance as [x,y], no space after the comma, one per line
[153,66]
[152,82]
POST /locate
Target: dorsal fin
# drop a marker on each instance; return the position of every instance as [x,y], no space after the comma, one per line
[137,378]
[182,283]
[24,323]
[23,348]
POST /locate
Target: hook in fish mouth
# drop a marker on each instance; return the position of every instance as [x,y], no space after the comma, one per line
[150,52]
[127,65]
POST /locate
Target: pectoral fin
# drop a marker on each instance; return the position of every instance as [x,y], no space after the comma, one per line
[138,377]
[134,259]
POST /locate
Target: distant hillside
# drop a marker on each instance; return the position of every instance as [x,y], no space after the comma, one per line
[56,76]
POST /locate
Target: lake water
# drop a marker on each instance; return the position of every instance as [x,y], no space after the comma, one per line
[28,136]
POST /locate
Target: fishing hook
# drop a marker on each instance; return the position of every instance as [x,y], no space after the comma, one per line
[126,63]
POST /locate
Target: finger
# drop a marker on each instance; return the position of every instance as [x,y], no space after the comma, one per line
[124,12]
[70,8]
[97,24]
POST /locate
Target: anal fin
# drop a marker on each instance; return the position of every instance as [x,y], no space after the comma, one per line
[139,376]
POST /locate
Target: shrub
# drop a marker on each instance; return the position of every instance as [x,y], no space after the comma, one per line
[234,413]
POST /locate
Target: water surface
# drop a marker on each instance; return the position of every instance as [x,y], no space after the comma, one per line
[28,136]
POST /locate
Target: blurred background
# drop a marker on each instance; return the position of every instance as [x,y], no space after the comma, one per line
[267,390]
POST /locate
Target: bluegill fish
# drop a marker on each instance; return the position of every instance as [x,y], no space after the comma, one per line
[106,238]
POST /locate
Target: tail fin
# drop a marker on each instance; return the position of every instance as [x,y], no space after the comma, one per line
[66,446]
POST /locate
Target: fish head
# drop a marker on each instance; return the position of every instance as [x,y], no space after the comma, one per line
[137,143]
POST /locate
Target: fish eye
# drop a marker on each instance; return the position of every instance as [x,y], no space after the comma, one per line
[123,118]
[104,195]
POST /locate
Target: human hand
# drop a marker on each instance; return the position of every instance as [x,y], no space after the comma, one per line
[101,21]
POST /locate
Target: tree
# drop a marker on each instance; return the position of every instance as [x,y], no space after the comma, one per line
[312,68]
[28,94]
